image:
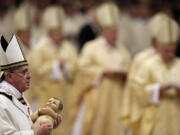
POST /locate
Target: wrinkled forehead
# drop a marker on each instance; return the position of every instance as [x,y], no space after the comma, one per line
[21,68]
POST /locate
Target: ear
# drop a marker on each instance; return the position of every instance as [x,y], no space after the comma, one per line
[9,77]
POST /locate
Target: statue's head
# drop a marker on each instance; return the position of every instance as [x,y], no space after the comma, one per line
[56,104]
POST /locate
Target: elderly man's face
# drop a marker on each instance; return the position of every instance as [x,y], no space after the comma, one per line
[20,78]
[167,53]
[110,34]
[24,37]
[56,36]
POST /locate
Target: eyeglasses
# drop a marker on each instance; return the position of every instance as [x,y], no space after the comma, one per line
[25,72]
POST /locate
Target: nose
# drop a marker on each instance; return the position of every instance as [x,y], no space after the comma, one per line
[29,75]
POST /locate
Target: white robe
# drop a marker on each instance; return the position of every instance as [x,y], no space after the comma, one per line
[14,116]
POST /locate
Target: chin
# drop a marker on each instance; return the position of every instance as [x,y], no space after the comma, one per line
[26,88]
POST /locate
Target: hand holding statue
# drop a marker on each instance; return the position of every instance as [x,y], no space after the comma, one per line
[48,115]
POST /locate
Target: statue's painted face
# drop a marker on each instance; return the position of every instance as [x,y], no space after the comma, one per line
[54,104]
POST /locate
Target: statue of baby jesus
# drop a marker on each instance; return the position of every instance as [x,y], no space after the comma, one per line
[48,113]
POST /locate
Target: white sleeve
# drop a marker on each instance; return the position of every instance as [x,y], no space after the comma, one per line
[56,73]
[66,72]
[155,95]
[78,126]
[97,81]
[8,128]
